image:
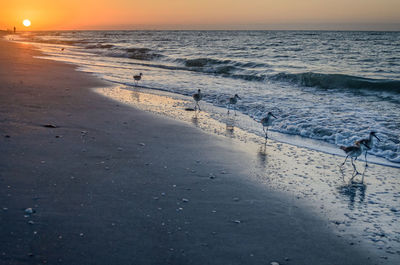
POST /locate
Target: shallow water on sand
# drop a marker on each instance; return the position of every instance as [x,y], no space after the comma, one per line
[367,213]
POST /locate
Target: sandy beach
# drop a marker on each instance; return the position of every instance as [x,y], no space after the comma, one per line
[111,183]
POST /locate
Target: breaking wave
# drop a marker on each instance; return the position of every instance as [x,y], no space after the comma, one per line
[333,81]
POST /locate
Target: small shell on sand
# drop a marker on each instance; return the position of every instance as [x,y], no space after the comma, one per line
[29,211]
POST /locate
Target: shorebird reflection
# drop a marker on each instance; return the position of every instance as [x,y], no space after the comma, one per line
[354,192]
[230,126]
[135,96]
[195,119]
[262,153]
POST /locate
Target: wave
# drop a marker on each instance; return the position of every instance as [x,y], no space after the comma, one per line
[99,46]
[202,62]
[58,42]
[142,54]
[334,81]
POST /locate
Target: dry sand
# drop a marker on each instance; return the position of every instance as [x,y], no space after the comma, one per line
[116,185]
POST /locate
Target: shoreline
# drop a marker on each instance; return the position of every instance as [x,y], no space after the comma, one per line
[132,175]
[240,121]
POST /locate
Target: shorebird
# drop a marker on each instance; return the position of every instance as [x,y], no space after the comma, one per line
[137,78]
[368,143]
[197,97]
[267,121]
[354,152]
[232,102]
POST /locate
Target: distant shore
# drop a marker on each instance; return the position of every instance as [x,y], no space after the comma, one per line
[111,184]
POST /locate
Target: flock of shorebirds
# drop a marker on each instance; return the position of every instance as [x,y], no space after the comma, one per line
[360,146]
[354,151]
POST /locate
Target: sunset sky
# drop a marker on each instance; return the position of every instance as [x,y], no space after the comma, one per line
[201,14]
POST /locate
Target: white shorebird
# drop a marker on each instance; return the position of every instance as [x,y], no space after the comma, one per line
[368,143]
[354,152]
[197,97]
[137,78]
[267,121]
[232,102]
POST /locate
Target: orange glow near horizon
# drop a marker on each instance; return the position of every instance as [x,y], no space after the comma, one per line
[135,14]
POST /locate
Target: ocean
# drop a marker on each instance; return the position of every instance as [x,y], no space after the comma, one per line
[333,87]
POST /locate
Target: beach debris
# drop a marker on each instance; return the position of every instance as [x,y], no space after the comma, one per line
[29,211]
[50,126]
[7,136]
[84,133]
[31,222]
[81,234]
[211,176]
[5,208]
[120,149]
[237,221]
[185,200]
[274,263]
[236,199]
[142,144]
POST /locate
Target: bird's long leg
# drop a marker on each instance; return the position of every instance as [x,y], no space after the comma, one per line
[354,166]
[345,160]
[366,162]
[354,170]
[234,108]
[228,107]
[198,106]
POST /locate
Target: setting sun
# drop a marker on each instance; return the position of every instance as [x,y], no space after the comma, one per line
[26,22]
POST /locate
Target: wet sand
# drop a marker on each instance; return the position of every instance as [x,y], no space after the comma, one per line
[112,184]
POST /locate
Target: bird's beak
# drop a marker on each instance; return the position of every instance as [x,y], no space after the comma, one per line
[274,116]
[377,138]
[239,98]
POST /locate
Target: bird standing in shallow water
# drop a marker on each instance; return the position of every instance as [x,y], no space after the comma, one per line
[232,102]
[368,143]
[197,97]
[267,121]
[137,78]
[354,152]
